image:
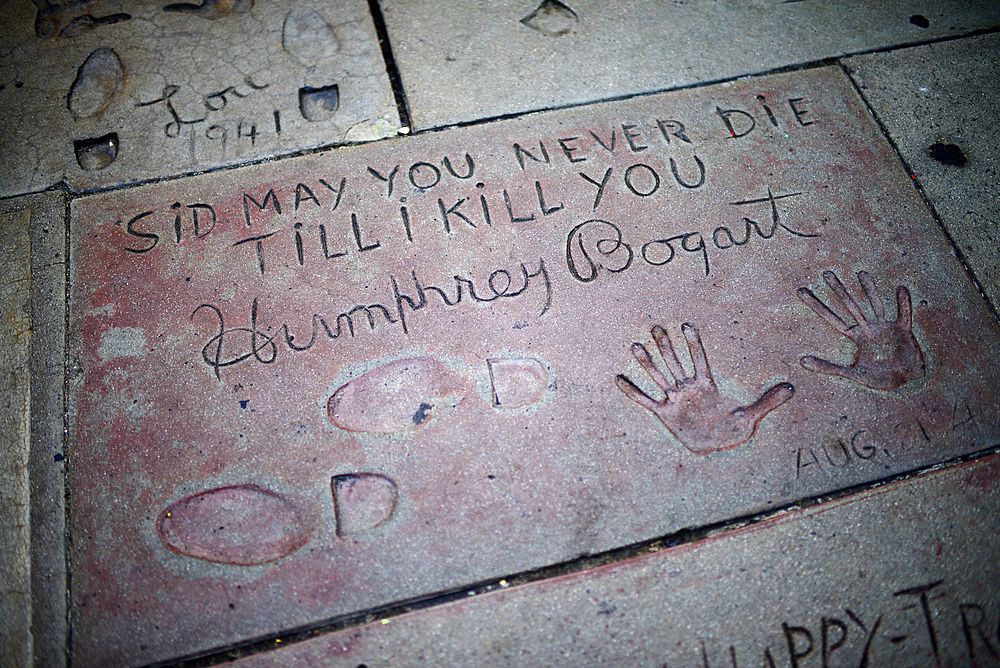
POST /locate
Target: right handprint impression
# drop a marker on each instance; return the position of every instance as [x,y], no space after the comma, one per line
[887,354]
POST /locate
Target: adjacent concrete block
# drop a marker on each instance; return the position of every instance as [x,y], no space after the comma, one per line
[15,439]
[939,104]
[103,93]
[816,587]
[487,350]
[462,61]
[32,539]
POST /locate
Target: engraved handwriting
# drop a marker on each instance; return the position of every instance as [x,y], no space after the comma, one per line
[590,239]
[452,196]
[215,101]
[907,627]
[259,342]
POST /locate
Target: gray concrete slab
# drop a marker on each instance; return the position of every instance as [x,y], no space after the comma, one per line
[462,61]
[48,429]
[107,92]
[811,588]
[32,540]
[312,387]
[15,407]
[939,104]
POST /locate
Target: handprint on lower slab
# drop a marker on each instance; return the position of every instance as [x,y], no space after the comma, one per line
[887,354]
[693,410]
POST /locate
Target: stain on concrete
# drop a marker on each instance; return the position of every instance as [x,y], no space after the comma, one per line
[947,154]
[423,414]
[122,342]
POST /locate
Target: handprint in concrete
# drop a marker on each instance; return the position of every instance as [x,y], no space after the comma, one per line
[887,354]
[694,410]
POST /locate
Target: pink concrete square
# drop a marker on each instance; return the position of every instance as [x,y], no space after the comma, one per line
[308,388]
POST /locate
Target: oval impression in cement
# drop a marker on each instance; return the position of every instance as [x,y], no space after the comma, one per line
[319,386]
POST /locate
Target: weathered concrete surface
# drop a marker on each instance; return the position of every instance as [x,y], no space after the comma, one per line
[116,91]
[939,104]
[48,455]
[15,408]
[32,555]
[816,587]
[462,61]
[494,408]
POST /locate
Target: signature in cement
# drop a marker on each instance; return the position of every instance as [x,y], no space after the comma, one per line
[694,411]
[887,354]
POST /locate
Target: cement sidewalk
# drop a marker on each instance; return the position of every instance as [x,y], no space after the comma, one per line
[507,334]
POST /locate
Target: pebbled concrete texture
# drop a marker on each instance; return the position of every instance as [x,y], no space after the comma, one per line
[310,388]
[462,61]
[110,92]
[939,104]
[816,587]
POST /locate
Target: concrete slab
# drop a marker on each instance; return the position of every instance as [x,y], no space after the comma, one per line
[798,590]
[939,104]
[462,61]
[48,428]
[32,548]
[314,387]
[15,439]
[116,91]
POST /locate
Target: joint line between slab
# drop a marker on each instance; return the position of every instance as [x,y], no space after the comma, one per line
[60,185]
[395,80]
[687,536]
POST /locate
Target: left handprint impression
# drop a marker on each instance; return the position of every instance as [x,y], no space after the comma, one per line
[693,410]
